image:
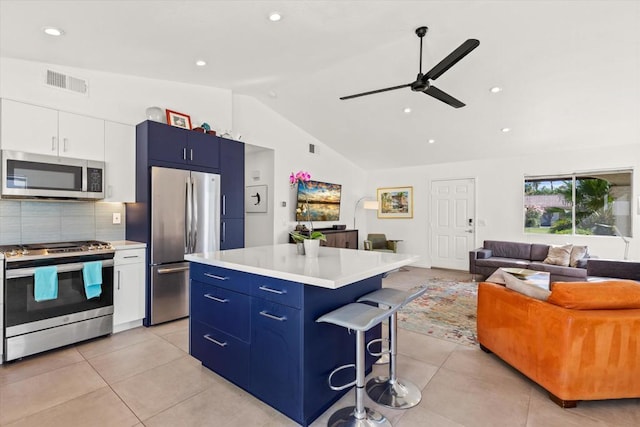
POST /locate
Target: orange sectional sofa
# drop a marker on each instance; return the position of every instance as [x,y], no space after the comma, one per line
[583,343]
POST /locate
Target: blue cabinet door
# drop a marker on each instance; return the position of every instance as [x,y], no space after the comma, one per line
[166,143]
[232,233]
[232,185]
[203,150]
[275,361]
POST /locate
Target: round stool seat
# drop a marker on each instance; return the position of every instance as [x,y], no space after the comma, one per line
[391,391]
[361,318]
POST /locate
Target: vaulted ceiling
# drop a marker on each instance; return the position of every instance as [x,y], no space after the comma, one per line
[569,70]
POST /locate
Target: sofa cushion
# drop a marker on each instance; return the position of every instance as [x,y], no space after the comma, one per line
[559,255]
[559,270]
[577,253]
[528,289]
[539,251]
[502,262]
[605,295]
[509,249]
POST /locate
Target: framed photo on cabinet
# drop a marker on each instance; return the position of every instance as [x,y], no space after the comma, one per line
[178,120]
[395,202]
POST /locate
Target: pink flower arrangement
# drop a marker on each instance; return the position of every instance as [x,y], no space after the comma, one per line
[300,176]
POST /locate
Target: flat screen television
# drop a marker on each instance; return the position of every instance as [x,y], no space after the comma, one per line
[321,199]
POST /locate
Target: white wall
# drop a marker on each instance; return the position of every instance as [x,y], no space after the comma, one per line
[499,198]
[258,226]
[263,127]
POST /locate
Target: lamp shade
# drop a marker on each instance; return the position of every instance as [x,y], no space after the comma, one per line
[371,204]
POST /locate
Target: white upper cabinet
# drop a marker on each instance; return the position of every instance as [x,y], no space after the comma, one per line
[120,162]
[41,130]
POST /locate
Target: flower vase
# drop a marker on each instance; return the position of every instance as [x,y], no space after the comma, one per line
[312,247]
[300,248]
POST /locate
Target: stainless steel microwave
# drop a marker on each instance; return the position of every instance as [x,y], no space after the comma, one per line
[28,175]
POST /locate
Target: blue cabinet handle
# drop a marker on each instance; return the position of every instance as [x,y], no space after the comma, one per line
[213,276]
[271,316]
[208,338]
[215,298]
[274,291]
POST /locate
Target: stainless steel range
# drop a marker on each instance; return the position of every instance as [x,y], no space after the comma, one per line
[32,326]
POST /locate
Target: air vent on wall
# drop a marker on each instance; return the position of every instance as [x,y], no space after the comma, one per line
[63,81]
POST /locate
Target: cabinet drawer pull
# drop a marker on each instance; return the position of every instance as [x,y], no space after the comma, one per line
[271,316]
[130,256]
[215,341]
[216,298]
[273,291]
[213,276]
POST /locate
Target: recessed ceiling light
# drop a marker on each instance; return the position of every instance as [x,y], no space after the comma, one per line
[52,31]
[431,141]
[495,89]
[275,17]
[201,63]
[505,130]
[407,110]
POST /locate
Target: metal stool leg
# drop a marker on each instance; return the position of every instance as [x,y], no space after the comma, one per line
[391,391]
[358,415]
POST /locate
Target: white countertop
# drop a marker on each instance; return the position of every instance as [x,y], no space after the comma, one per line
[127,244]
[333,268]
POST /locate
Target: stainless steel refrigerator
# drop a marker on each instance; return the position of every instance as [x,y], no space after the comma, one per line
[185,218]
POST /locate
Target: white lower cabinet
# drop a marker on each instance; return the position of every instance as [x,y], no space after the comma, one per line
[128,288]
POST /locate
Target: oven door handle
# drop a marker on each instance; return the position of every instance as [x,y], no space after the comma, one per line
[62,268]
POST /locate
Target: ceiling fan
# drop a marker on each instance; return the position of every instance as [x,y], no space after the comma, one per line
[422,82]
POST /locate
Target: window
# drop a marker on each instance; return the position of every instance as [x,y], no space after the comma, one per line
[597,203]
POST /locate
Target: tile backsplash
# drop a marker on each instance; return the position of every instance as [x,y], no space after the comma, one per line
[41,222]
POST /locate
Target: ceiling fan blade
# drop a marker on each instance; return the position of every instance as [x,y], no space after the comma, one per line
[452,59]
[444,97]
[375,91]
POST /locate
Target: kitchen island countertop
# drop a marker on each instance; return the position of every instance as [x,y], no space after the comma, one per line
[333,268]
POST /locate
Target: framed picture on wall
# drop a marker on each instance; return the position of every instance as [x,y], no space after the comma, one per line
[255,198]
[395,202]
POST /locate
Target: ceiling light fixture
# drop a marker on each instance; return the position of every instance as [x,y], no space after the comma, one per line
[52,31]
[201,63]
[495,89]
[275,17]
[407,110]
[505,130]
[431,141]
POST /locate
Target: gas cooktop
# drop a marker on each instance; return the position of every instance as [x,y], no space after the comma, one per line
[44,250]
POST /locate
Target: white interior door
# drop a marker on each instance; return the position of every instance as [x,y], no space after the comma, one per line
[452,223]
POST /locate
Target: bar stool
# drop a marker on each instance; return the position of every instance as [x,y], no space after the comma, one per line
[391,391]
[361,318]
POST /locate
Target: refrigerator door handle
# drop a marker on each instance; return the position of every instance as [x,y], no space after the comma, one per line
[187,218]
[194,207]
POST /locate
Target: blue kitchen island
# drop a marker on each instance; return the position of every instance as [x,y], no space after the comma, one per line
[253,312]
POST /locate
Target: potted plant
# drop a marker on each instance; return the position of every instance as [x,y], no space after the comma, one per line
[309,242]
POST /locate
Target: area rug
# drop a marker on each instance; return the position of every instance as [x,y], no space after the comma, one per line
[446,311]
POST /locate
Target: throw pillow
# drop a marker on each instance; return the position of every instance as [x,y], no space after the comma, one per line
[496,277]
[577,253]
[559,255]
[525,288]
[605,295]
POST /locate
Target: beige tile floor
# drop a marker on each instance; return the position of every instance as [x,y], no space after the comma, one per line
[145,376]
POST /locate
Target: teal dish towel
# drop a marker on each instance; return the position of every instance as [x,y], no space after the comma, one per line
[46,283]
[92,275]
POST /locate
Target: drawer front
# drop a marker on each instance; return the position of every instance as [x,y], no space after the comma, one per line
[223,354]
[276,290]
[221,277]
[223,309]
[129,256]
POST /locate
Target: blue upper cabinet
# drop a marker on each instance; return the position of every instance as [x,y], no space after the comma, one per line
[181,148]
